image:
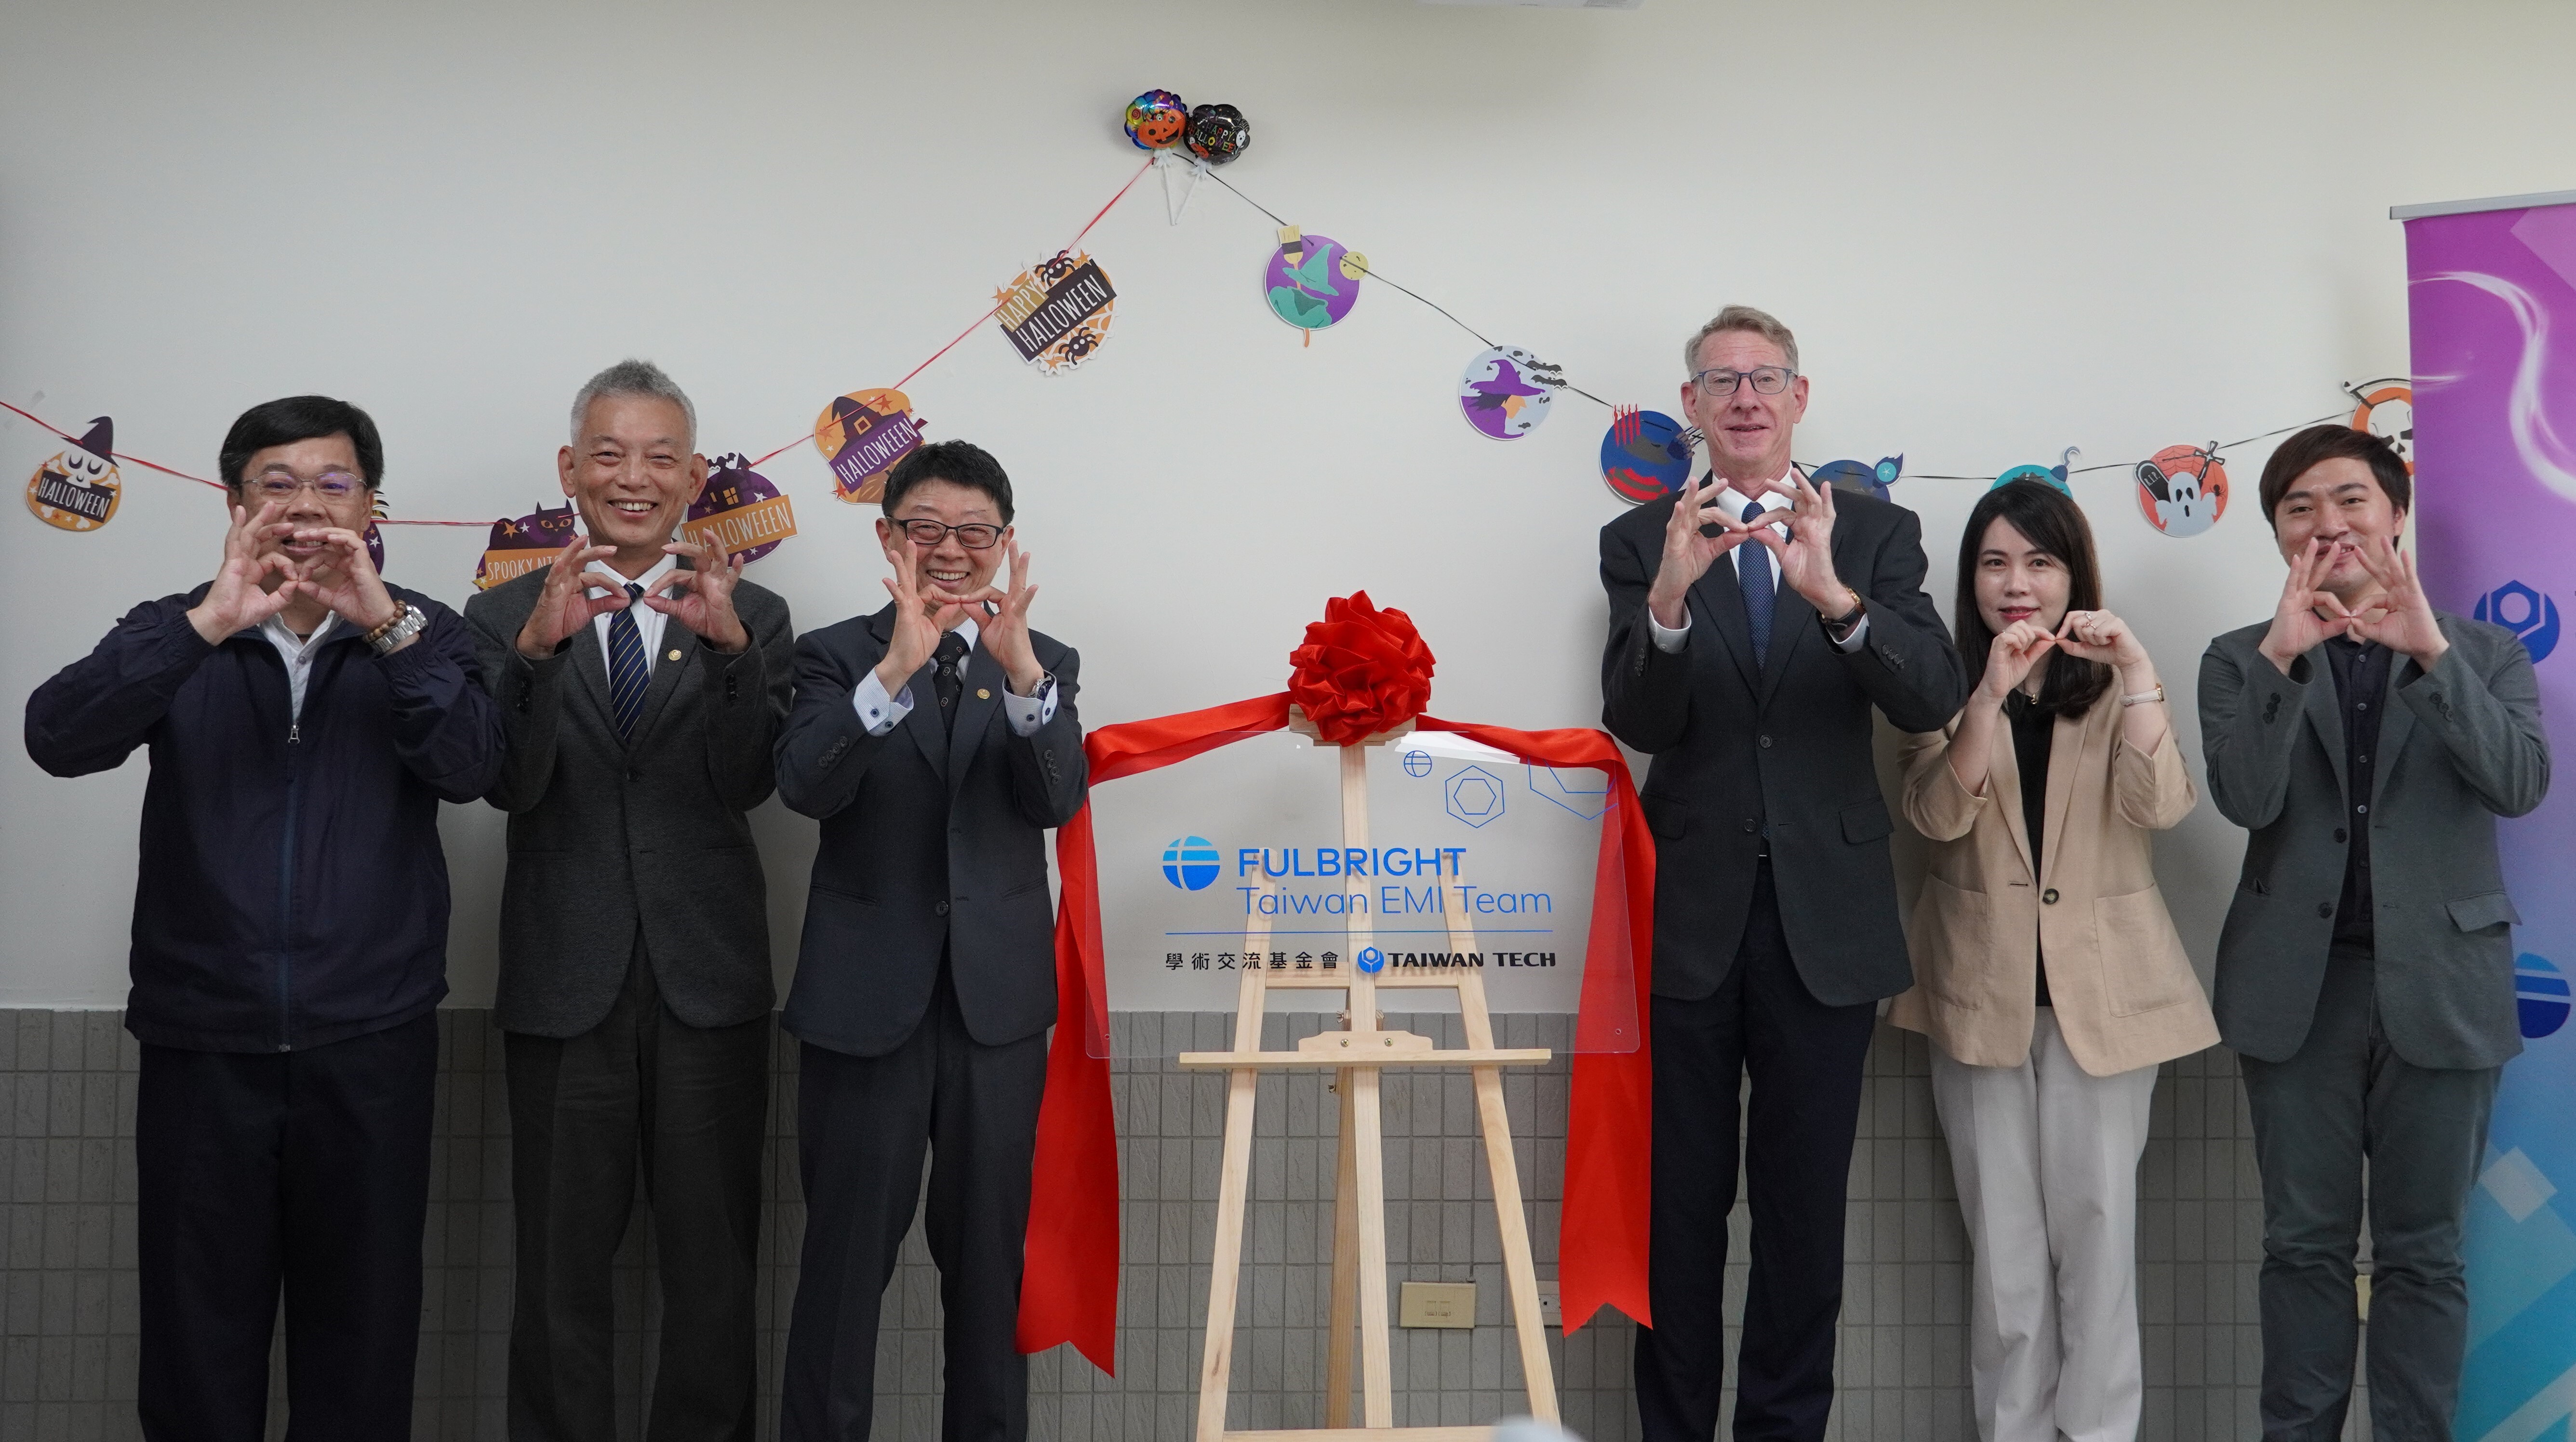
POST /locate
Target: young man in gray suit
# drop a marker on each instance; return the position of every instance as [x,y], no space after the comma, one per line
[936,741]
[1756,621]
[2365,973]
[641,682]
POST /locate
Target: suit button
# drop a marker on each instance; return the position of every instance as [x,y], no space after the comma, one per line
[941,908]
[1748,824]
[2338,833]
[2049,896]
[1766,743]
[2325,908]
[634,775]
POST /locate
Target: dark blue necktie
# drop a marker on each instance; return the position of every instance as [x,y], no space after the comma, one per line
[628,670]
[1753,572]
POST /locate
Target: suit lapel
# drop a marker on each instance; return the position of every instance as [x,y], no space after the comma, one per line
[1792,622]
[2003,785]
[2395,722]
[2325,715]
[923,723]
[980,697]
[2070,743]
[679,653]
[592,663]
[1721,606]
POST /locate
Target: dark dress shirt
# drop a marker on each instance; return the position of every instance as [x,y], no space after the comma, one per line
[2032,729]
[2361,690]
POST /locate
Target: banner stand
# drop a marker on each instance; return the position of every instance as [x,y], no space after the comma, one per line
[1359,1306]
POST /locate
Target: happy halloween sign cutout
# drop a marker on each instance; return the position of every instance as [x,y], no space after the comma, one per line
[77,490]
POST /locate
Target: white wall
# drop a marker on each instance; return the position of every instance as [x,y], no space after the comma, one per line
[1998,229]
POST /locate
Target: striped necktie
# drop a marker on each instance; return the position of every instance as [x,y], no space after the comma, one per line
[629,670]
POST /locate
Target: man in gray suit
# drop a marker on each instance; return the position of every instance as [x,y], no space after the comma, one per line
[936,741]
[641,682]
[2365,973]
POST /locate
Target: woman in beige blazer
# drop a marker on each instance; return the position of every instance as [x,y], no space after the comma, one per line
[2046,971]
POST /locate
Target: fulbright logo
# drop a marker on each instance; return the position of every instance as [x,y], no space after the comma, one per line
[1191,863]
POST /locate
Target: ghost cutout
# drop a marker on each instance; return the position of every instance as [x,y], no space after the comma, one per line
[78,489]
[2182,490]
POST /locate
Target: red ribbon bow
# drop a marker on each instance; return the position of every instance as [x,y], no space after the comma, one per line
[1361,671]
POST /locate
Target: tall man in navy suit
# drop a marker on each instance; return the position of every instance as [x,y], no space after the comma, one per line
[1755,620]
[936,741]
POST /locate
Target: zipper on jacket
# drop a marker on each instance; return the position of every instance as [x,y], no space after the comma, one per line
[286,884]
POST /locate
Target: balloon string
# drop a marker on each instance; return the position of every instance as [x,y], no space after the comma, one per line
[988,314]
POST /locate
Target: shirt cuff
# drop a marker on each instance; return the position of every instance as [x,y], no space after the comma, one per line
[1028,713]
[879,712]
[1668,639]
[1859,636]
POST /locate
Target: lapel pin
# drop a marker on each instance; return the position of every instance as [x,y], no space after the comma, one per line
[675,654]
[982,694]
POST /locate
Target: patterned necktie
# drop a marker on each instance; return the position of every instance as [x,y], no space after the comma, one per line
[629,672]
[1753,572]
[950,679]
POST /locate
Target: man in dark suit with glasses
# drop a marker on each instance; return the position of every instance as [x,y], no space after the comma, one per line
[936,741]
[1755,621]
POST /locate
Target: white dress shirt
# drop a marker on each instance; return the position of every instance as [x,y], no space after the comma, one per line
[298,654]
[648,622]
[1674,638]
[882,713]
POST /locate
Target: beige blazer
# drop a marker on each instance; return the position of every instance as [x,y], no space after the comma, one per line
[2122,987]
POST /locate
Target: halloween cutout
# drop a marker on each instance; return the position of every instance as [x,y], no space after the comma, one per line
[1860,477]
[78,489]
[863,434]
[2046,475]
[1505,392]
[525,543]
[2387,410]
[738,512]
[1645,457]
[1312,281]
[1056,313]
[2182,490]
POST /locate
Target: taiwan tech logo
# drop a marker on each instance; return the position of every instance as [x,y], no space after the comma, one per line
[1191,863]
[2540,995]
[2526,613]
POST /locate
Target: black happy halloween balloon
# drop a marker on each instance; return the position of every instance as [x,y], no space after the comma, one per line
[1217,133]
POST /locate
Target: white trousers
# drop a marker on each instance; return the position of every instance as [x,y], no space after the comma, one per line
[2047,1163]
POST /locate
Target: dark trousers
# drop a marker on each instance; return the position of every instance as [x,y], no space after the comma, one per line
[1805,1061]
[862,1123]
[2347,1098]
[642,1092]
[306,1171]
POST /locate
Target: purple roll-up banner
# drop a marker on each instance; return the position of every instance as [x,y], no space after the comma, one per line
[2492,305]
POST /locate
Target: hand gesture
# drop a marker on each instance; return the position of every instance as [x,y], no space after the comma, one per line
[566,605]
[2101,636]
[2010,659]
[706,603]
[1687,553]
[919,616]
[342,576]
[2296,627]
[241,596]
[1806,557]
[1005,633]
[2400,619]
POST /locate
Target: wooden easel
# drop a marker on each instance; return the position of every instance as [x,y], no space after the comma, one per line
[1359,1194]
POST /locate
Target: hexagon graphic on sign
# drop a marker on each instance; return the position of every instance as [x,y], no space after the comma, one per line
[1371,960]
[1476,796]
[1417,764]
[2526,613]
[1191,863]
[1579,789]
[2540,994]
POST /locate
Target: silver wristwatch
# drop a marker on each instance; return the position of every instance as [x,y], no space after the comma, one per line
[398,630]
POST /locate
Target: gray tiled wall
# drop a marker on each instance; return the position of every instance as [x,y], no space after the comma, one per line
[67,1351]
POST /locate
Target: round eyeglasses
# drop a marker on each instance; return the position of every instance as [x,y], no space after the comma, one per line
[974,535]
[1767,380]
[277,485]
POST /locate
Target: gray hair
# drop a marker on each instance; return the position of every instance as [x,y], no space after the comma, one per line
[1744,318]
[633,378]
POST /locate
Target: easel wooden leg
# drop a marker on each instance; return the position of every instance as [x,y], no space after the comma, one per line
[1520,1276]
[1377,1367]
[1343,1329]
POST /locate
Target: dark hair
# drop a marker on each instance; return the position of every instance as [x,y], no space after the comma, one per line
[2051,521]
[960,463]
[2300,454]
[299,418]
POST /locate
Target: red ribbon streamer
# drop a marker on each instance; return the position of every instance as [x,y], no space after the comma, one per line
[1069,1288]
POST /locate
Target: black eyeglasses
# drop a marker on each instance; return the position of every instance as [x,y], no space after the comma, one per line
[974,535]
[1767,380]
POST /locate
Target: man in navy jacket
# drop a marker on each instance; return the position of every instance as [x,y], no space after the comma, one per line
[304,720]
